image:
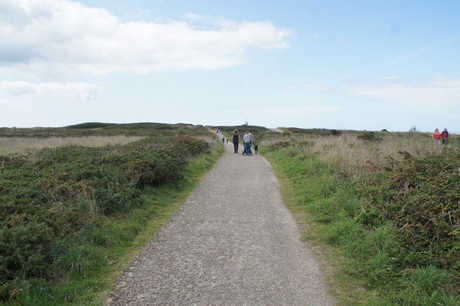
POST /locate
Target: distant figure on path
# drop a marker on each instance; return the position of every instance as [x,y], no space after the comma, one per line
[445,136]
[436,138]
[235,140]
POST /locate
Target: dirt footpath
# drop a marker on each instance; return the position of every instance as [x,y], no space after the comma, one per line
[232,243]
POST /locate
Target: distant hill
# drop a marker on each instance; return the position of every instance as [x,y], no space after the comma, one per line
[98,125]
[89,125]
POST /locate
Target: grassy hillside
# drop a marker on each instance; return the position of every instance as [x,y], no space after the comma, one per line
[71,215]
[384,207]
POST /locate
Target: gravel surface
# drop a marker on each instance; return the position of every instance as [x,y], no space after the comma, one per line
[232,243]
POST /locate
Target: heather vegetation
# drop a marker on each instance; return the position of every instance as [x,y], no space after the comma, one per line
[385,207]
[77,203]
[71,214]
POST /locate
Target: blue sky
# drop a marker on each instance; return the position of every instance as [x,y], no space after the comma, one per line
[361,65]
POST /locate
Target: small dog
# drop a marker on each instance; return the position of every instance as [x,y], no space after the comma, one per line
[256,148]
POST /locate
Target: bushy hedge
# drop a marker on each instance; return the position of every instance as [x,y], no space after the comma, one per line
[369,136]
[421,196]
[48,198]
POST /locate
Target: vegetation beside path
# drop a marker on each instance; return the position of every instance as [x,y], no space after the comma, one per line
[73,216]
[79,203]
[383,208]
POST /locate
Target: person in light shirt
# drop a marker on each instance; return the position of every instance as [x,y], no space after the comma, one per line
[248,140]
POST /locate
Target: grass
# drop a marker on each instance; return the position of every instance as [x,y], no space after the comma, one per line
[326,183]
[346,288]
[20,145]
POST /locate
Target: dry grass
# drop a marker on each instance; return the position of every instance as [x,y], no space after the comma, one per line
[359,158]
[10,145]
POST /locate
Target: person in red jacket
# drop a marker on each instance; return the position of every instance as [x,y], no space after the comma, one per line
[436,138]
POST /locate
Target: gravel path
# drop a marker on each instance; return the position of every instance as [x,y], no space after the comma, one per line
[232,243]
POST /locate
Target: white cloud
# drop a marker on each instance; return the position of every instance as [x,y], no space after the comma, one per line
[291,110]
[63,37]
[439,91]
[308,86]
[18,89]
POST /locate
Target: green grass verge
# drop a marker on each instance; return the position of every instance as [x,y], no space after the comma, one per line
[297,189]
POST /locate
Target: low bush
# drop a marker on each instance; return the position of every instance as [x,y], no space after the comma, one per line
[53,201]
[369,136]
[420,195]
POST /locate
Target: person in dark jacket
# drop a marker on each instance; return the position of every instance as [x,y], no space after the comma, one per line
[445,136]
[235,140]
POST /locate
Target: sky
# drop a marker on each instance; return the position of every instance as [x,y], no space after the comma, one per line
[336,64]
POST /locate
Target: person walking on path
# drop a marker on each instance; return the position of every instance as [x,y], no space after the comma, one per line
[253,139]
[436,138]
[227,248]
[445,136]
[248,140]
[235,140]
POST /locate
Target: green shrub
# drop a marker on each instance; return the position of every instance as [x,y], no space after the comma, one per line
[370,137]
[52,203]
[25,243]
[160,170]
[421,196]
[189,146]
[336,132]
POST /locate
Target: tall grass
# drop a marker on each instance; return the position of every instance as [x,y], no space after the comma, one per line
[9,145]
[357,158]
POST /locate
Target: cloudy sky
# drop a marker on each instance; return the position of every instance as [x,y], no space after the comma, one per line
[361,64]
